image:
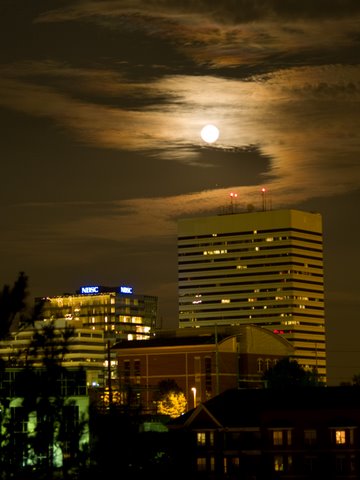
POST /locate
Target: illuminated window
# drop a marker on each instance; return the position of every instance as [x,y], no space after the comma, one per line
[201,438]
[260,365]
[225,300]
[340,437]
[282,437]
[212,464]
[279,463]
[278,437]
[201,464]
[309,437]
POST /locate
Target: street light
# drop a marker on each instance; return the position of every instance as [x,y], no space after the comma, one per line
[194,393]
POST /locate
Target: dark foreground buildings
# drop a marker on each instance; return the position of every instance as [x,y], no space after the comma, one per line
[262,434]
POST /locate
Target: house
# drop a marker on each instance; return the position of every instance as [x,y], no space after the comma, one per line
[258,434]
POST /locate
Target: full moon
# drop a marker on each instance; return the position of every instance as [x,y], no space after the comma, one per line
[210,133]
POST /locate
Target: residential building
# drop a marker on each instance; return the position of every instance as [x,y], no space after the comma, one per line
[262,434]
[201,362]
[262,268]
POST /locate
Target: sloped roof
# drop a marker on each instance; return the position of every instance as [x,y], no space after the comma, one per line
[252,338]
[246,407]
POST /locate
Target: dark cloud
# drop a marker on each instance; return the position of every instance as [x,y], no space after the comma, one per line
[101,107]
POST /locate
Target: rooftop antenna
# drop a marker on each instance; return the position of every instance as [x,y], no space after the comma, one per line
[263,194]
[233,197]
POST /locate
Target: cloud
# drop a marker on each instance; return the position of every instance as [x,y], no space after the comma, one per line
[289,87]
[301,118]
[234,12]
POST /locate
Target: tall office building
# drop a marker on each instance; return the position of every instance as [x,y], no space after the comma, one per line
[263,268]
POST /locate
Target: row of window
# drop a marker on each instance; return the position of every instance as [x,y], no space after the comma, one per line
[284,437]
[284,462]
[296,284]
[285,234]
[259,301]
[237,315]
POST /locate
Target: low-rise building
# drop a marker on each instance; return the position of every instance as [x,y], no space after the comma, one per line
[202,362]
[262,434]
[85,348]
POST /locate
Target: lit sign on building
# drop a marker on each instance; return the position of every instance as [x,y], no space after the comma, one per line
[126,290]
[89,290]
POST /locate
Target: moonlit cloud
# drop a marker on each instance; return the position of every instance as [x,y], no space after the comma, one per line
[302,118]
[101,106]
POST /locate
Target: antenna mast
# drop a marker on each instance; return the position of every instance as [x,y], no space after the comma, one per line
[232,206]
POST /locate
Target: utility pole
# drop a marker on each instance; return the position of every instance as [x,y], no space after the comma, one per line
[109,374]
[217,389]
[263,194]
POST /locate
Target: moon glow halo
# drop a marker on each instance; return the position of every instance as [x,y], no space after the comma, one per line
[210,133]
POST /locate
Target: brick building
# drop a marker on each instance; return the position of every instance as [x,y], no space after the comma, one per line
[202,362]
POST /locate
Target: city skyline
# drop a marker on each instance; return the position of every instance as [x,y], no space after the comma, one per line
[102,104]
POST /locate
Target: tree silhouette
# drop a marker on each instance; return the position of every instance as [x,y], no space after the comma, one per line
[40,426]
[15,313]
[289,373]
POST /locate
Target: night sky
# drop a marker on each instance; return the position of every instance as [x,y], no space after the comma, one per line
[101,108]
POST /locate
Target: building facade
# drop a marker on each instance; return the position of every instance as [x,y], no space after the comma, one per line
[263,268]
[85,348]
[202,363]
[116,311]
[261,434]
[100,316]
